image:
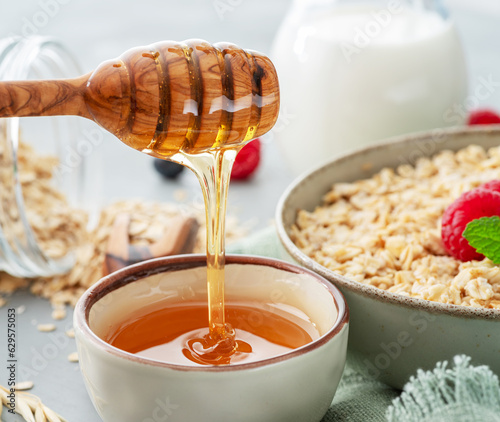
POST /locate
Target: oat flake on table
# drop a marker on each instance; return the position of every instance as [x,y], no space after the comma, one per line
[386,231]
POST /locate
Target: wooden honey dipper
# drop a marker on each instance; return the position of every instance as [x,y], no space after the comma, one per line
[164,98]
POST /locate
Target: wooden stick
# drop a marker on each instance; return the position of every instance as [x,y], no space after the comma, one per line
[179,238]
[44,98]
[164,98]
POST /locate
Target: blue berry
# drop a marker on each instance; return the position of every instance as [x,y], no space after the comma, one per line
[168,169]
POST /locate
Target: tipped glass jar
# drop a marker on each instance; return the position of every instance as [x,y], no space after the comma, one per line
[357,71]
[41,169]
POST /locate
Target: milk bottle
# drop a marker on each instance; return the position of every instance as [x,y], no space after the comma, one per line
[354,72]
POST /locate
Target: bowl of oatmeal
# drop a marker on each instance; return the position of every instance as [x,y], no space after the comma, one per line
[370,222]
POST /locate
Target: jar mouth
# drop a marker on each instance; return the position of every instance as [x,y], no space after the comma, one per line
[22,58]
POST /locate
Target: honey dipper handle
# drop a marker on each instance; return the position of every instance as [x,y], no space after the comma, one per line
[43,98]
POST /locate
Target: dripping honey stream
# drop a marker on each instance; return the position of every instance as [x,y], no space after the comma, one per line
[213,170]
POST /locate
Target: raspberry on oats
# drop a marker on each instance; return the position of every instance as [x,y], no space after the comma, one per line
[483,117]
[494,185]
[483,201]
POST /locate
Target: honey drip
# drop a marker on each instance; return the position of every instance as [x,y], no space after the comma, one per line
[213,170]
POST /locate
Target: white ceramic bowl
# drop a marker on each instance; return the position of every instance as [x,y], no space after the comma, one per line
[391,335]
[297,386]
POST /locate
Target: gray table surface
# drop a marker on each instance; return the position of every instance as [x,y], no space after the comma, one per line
[96,30]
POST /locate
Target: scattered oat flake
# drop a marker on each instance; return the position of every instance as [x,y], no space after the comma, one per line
[71,333]
[24,385]
[73,357]
[46,328]
[59,314]
[2,301]
[8,283]
[21,309]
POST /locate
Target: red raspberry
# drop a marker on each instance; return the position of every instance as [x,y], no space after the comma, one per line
[477,203]
[246,161]
[494,185]
[484,117]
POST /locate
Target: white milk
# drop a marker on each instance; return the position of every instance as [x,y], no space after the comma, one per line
[354,76]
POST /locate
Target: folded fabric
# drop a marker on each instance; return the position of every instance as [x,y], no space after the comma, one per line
[459,394]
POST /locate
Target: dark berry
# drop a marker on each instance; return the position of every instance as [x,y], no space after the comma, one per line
[168,169]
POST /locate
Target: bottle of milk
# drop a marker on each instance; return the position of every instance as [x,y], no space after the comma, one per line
[353,72]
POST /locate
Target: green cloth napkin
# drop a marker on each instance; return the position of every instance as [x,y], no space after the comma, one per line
[459,394]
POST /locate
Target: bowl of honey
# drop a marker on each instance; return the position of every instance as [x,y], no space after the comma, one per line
[141,335]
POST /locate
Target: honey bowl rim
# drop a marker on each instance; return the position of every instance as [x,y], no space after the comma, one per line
[318,172]
[155,266]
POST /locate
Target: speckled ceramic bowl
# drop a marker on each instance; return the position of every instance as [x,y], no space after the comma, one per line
[391,335]
[296,386]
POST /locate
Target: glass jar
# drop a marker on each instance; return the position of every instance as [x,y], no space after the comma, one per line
[21,251]
[357,71]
